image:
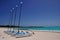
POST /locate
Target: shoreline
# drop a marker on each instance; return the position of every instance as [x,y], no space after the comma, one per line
[57,31]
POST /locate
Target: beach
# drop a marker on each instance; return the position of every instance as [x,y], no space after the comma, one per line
[38,35]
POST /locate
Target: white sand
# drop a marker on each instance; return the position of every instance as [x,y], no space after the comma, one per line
[38,35]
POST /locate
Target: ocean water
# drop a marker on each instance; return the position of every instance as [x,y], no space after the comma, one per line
[46,28]
[42,28]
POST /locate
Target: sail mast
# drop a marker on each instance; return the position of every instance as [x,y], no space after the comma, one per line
[21,3]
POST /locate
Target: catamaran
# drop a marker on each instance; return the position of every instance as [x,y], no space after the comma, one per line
[14,32]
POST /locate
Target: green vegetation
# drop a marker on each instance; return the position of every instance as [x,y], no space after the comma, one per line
[21,26]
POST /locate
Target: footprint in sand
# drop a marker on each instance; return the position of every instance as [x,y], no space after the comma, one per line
[3,37]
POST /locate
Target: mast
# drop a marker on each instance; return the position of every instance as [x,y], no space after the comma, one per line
[15,16]
[11,22]
[21,3]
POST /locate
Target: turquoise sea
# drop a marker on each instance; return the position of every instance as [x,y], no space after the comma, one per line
[41,28]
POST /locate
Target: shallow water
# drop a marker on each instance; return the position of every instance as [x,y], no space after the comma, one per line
[43,28]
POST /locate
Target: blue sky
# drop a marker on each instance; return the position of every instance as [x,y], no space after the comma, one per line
[34,12]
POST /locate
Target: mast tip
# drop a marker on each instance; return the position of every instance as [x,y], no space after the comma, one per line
[21,2]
